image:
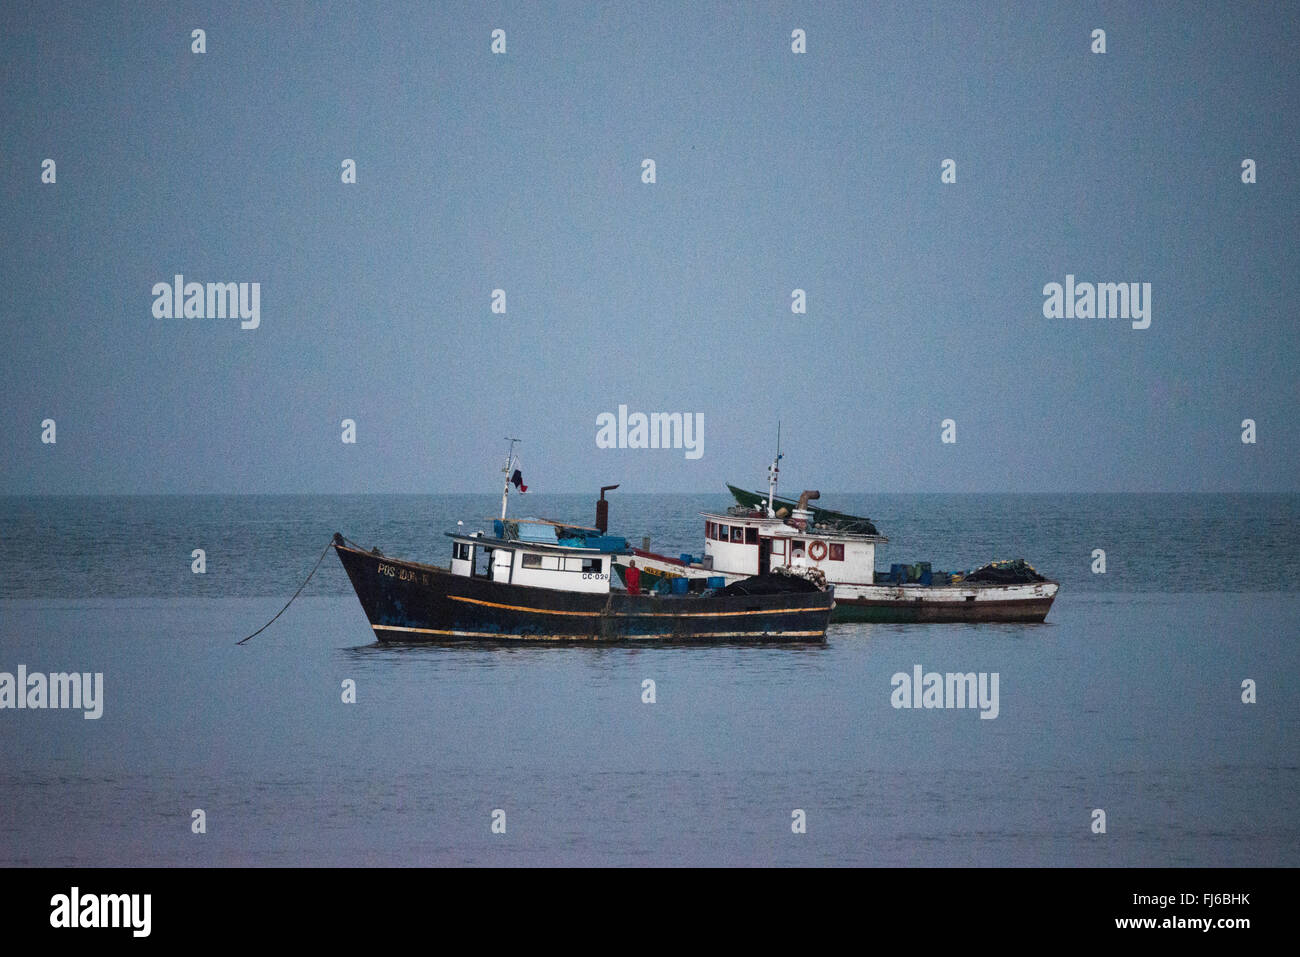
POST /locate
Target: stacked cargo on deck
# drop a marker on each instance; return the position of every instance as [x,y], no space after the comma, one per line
[917,574]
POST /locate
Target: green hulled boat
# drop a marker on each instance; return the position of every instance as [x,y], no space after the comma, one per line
[840,521]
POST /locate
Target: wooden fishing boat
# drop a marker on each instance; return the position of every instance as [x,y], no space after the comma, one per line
[533,579]
[755,538]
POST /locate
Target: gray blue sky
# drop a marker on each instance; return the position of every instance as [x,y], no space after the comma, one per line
[522,171]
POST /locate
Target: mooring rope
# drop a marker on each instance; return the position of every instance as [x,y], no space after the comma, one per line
[328,546]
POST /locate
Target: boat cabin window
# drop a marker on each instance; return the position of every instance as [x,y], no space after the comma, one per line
[593,565]
[532,561]
[798,546]
[751,536]
[737,534]
[708,529]
[721,531]
[837,552]
[460,550]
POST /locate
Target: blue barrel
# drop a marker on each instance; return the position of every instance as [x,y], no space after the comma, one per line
[681,586]
[717,581]
[685,557]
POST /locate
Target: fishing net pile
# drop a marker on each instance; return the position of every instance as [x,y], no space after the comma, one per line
[1012,572]
[777,582]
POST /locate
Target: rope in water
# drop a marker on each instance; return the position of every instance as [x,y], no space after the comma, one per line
[328,546]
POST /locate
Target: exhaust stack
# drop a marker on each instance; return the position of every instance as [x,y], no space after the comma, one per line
[602,509]
[801,517]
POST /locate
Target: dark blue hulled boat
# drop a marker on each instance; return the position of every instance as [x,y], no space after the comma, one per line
[541,580]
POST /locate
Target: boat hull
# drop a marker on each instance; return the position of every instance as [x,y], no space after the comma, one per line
[408,602]
[912,610]
[1027,602]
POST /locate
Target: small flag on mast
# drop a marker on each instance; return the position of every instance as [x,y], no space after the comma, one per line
[517,480]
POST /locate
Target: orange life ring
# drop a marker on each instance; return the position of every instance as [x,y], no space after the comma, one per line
[817,551]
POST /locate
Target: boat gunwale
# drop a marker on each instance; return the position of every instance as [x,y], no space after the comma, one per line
[640,553]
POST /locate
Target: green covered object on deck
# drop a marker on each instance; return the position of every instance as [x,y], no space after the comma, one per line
[821,516]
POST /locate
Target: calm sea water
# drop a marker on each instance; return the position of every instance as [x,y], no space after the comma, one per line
[1128,699]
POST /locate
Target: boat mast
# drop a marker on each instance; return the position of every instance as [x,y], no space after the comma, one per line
[773,471]
[505,486]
